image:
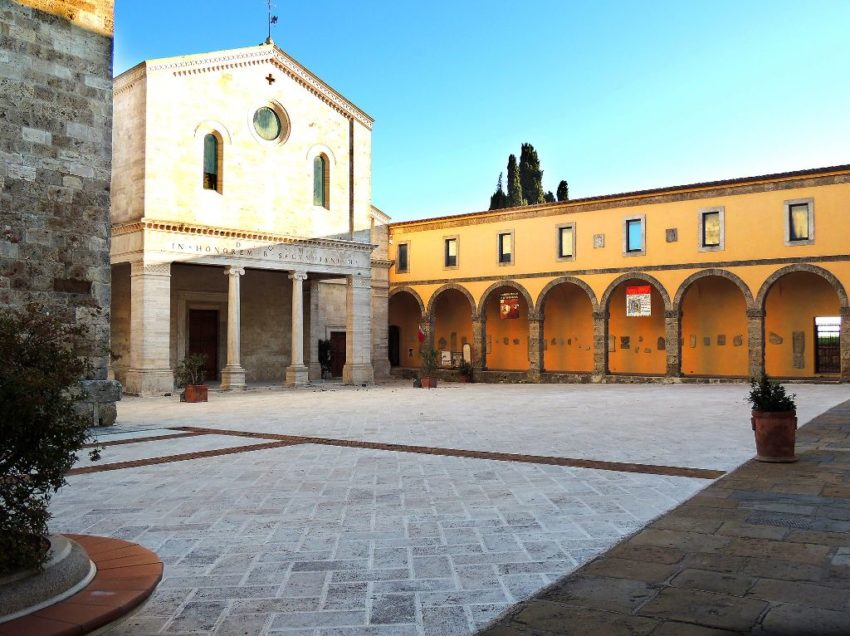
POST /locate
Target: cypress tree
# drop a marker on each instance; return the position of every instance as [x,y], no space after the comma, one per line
[530,175]
[515,198]
[563,191]
[499,199]
[549,197]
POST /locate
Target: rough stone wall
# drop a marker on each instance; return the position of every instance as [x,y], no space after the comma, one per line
[55,163]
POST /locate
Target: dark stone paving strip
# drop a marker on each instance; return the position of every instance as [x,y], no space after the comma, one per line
[671,471]
[765,550]
[153,438]
[167,459]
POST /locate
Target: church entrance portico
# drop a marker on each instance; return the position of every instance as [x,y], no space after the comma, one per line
[249,303]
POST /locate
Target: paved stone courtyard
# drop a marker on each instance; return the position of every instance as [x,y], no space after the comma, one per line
[265,534]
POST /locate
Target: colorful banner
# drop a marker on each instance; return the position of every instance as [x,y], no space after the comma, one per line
[509,306]
[639,301]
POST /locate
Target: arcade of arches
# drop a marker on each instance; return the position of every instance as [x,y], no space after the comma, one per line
[711,325]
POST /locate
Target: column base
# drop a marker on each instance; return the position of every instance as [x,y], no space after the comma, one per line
[146,382]
[297,376]
[358,374]
[232,379]
[314,371]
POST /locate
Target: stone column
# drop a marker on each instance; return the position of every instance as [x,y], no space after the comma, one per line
[600,344]
[535,347]
[755,342]
[672,328]
[479,342]
[314,366]
[233,375]
[358,335]
[296,373]
[844,343]
[150,330]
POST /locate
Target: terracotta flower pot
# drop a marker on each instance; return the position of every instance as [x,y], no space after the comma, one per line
[195,393]
[775,435]
[429,382]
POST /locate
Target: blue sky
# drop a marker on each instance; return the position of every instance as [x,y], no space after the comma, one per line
[615,96]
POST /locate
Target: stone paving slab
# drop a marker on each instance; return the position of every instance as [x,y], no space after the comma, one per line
[159,448]
[693,425]
[334,540]
[763,550]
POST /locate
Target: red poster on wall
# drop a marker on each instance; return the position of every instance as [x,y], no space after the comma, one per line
[509,306]
[639,301]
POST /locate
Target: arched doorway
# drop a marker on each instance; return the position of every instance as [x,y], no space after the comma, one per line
[636,334]
[567,310]
[405,317]
[451,313]
[802,324]
[714,325]
[506,309]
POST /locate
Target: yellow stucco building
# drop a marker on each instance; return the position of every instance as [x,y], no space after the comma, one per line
[727,279]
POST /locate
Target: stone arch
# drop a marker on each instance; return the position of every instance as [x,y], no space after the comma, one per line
[215,127]
[463,290]
[606,297]
[506,283]
[705,273]
[802,267]
[412,292]
[541,299]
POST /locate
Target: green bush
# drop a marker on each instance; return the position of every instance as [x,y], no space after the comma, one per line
[768,396]
[191,371]
[41,429]
[429,360]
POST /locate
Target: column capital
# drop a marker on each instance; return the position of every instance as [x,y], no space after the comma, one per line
[601,315]
[140,268]
[234,270]
[672,313]
[298,275]
[755,313]
[844,312]
[360,282]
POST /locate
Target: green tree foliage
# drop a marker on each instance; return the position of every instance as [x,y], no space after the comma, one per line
[530,175]
[515,197]
[563,192]
[41,429]
[549,197]
[499,199]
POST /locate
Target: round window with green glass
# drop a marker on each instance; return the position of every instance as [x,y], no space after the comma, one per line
[267,123]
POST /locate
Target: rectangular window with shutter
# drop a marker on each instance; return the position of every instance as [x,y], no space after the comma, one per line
[451,252]
[506,248]
[566,241]
[800,222]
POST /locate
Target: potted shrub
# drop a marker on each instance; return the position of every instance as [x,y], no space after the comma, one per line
[428,378]
[42,428]
[774,420]
[190,376]
[465,369]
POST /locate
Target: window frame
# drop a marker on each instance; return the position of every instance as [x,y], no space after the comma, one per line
[446,239]
[398,268]
[499,236]
[786,206]
[641,218]
[721,245]
[559,254]
[219,162]
[326,171]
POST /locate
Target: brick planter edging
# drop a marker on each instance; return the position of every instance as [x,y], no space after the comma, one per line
[127,574]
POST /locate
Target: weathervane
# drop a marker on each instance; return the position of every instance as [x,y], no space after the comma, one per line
[272,20]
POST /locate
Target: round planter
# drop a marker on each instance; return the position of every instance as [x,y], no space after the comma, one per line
[67,570]
[775,434]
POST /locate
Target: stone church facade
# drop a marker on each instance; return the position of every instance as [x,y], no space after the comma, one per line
[242,224]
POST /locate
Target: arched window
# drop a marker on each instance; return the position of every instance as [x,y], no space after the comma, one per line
[321,181]
[212,161]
